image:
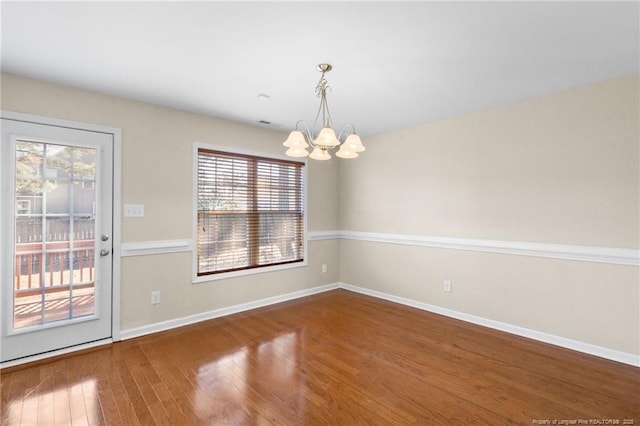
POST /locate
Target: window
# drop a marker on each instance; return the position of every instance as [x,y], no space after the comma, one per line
[88,184]
[250,212]
[23,207]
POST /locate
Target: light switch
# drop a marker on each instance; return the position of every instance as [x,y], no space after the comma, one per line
[134,210]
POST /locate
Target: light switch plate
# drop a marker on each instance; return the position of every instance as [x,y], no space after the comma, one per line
[134,210]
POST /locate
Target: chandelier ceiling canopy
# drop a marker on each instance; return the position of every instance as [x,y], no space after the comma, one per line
[302,137]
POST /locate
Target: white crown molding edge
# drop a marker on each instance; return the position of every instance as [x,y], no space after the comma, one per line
[599,351]
[220,312]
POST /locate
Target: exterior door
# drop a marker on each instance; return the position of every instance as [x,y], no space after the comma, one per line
[56,228]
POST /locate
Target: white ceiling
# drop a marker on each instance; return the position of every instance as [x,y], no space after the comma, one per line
[395,64]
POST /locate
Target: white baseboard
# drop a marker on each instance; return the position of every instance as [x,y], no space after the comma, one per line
[563,342]
[216,313]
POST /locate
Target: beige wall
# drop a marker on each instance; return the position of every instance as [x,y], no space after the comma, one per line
[157,146]
[562,168]
[559,169]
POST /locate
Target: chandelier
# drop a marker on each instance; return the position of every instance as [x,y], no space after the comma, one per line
[302,137]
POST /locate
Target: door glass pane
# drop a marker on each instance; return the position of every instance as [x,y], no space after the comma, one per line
[55,199]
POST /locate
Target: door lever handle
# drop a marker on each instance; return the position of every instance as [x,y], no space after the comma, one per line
[105,252]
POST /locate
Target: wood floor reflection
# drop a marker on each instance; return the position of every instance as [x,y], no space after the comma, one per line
[337,358]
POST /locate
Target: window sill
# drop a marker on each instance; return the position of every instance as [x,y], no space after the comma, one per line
[234,274]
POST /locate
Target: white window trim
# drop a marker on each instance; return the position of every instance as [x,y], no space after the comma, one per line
[194,203]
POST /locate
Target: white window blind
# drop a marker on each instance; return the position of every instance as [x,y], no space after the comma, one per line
[250,212]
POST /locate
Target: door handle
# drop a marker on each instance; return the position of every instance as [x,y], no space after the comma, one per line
[105,252]
[105,237]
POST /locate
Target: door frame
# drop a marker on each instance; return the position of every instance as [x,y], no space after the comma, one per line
[117,224]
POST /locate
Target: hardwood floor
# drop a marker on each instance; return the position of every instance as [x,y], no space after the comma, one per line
[336,358]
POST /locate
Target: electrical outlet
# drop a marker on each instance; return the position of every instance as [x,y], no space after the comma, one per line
[324,268]
[446,286]
[155,297]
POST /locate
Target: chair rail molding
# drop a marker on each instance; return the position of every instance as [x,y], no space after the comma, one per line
[618,256]
[144,248]
[612,255]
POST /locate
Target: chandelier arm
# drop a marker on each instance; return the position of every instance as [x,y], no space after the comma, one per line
[306,131]
[323,103]
[326,115]
[329,121]
[315,120]
[345,132]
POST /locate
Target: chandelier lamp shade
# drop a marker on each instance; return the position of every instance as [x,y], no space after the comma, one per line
[302,137]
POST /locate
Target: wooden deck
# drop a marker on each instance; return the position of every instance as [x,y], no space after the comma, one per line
[30,310]
[44,275]
[337,358]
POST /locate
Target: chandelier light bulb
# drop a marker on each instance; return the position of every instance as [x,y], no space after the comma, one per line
[354,143]
[346,153]
[327,138]
[295,139]
[320,154]
[297,152]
